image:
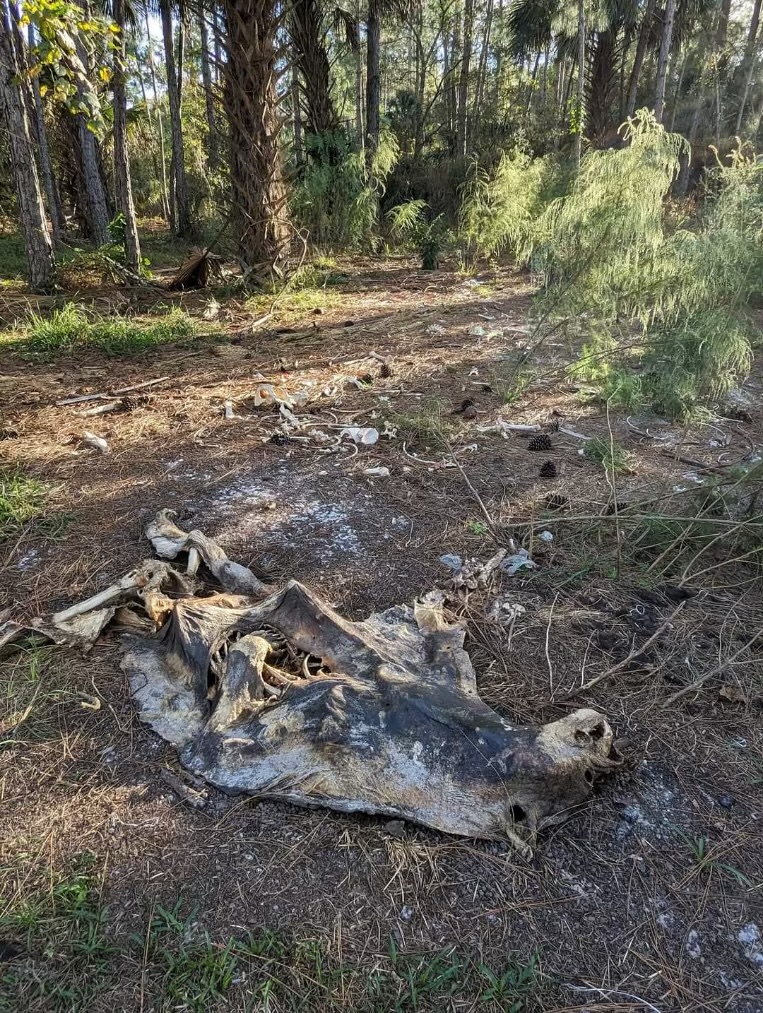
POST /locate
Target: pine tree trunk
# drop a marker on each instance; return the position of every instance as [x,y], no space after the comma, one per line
[166,195]
[482,66]
[251,106]
[663,58]
[463,80]
[38,245]
[209,98]
[43,151]
[373,78]
[122,180]
[359,85]
[296,114]
[638,59]
[97,210]
[748,62]
[581,83]
[182,223]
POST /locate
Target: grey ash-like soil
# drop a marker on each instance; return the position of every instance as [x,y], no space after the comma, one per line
[650,897]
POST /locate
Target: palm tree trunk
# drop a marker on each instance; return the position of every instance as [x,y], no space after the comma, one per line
[638,59]
[38,245]
[373,78]
[748,62]
[123,183]
[313,62]
[209,98]
[663,58]
[463,80]
[181,223]
[251,106]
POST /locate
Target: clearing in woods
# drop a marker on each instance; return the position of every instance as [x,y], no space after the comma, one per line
[127,885]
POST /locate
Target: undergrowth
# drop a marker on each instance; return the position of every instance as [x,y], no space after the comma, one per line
[337,197]
[71,329]
[657,297]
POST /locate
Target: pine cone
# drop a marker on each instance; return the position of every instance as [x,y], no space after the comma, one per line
[556,502]
[9,433]
[385,372]
[548,470]
[279,439]
[540,442]
[129,404]
[553,425]
[465,405]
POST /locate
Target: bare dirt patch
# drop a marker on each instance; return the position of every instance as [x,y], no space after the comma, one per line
[648,898]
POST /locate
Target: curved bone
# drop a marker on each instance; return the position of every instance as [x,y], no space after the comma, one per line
[395,727]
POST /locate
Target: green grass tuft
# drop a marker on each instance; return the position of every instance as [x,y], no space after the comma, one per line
[22,499]
[70,330]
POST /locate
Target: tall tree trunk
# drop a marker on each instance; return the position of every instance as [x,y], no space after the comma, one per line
[602,77]
[251,105]
[167,207]
[358,84]
[182,216]
[677,92]
[682,183]
[581,84]
[463,80]
[532,83]
[313,62]
[97,210]
[122,180]
[666,40]
[482,67]
[638,60]
[373,78]
[296,113]
[46,165]
[38,245]
[209,98]
[748,62]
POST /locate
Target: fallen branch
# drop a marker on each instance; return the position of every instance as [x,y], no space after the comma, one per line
[80,399]
[699,683]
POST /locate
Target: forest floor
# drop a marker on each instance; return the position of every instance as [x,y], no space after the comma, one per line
[122,888]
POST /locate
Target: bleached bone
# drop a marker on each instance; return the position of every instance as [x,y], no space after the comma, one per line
[95,441]
[507,428]
[169,541]
[573,433]
[151,575]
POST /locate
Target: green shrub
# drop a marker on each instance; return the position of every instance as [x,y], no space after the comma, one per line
[644,287]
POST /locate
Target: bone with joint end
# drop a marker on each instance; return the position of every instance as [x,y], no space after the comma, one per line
[169,541]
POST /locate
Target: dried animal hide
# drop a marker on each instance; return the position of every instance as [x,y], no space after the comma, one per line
[381,716]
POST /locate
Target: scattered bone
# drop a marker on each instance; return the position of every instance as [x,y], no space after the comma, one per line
[95,441]
[366,436]
[228,409]
[573,433]
[380,472]
[507,429]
